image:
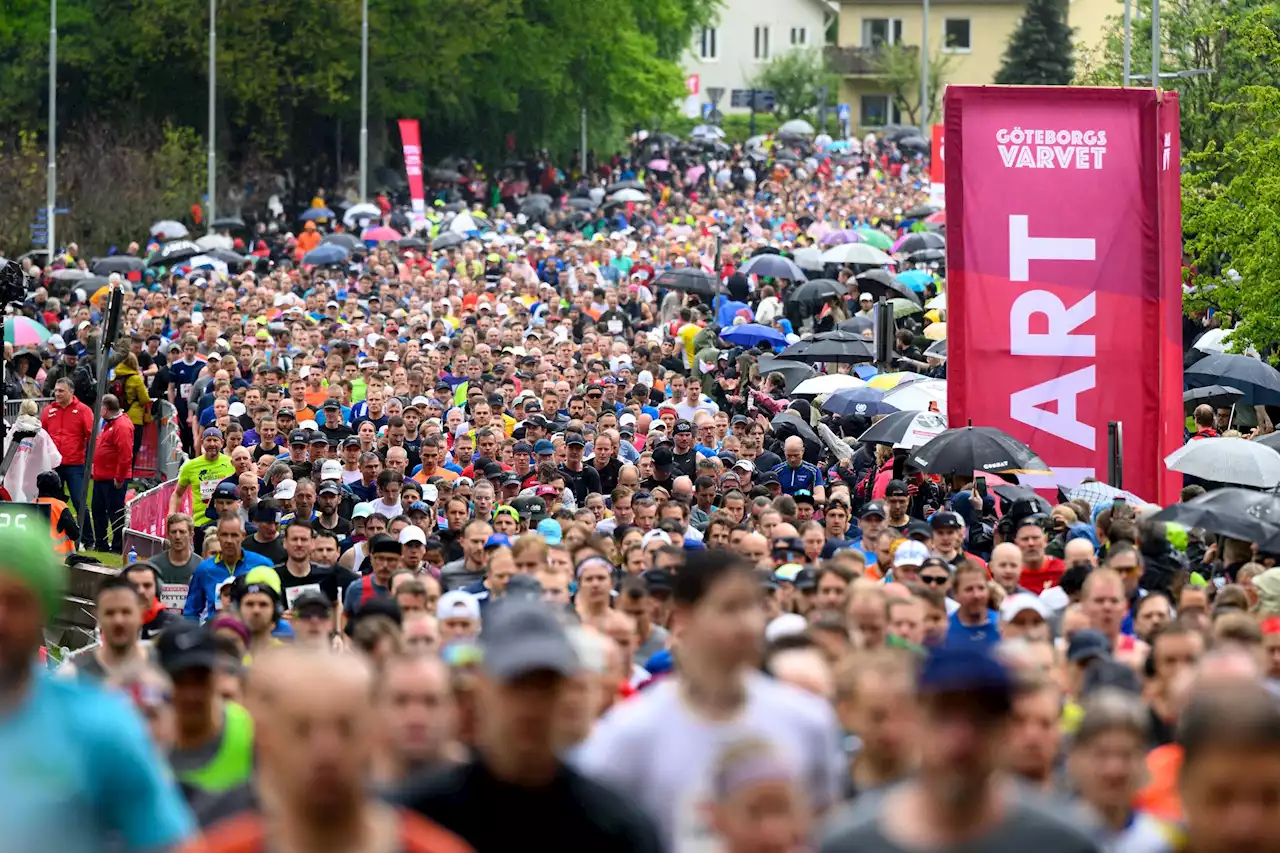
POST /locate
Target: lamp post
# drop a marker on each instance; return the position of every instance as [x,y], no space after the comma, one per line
[212,176]
[924,71]
[51,177]
[364,99]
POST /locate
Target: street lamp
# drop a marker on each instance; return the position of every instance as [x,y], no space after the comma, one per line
[212,174]
[51,177]
[364,99]
[924,72]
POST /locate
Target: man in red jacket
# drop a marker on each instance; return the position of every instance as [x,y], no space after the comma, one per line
[112,468]
[69,423]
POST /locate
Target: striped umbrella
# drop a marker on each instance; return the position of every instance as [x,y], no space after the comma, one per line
[24,332]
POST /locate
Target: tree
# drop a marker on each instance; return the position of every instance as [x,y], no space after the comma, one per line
[1039,52]
[795,78]
[1231,201]
[899,67]
[1196,36]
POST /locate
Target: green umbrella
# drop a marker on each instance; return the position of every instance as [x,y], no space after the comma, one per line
[903,308]
[875,238]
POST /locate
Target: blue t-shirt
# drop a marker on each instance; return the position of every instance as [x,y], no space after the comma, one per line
[971,636]
[80,774]
[183,376]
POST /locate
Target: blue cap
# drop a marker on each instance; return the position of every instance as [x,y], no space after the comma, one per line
[542,447]
[549,529]
[950,669]
[497,540]
[419,506]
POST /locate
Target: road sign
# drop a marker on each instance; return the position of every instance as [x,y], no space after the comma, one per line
[843,112]
[764,99]
[707,110]
[715,116]
[715,94]
[693,84]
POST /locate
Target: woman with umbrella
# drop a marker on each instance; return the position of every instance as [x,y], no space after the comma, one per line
[24,367]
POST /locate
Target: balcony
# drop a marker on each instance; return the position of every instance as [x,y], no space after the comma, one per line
[858,61]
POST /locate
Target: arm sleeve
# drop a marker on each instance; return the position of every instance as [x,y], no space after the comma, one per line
[195,603]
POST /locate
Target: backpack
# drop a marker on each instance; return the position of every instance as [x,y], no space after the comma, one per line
[118,386]
[82,383]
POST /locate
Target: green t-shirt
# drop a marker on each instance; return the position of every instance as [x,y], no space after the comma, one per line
[359,388]
[203,477]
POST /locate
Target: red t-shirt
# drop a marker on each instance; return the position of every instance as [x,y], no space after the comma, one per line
[1038,580]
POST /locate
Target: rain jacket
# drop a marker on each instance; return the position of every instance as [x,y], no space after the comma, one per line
[70,428]
[136,402]
[308,239]
[36,453]
[113,459]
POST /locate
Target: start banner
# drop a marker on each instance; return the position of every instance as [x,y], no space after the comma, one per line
[412,144]
[1063,275]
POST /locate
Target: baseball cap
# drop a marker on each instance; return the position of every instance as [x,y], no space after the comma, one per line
[895,489]
[265,514]
[362,510]
[331,469]
[350,441]
[1087,643]
[802,496]
[319,438]
[523,447]
[458,604]
[1107,674]
[312,602]
[524,588]
[549,529]
[1018,602]
[419,506]
[530,506]
[382,543]
[497,540]
[185,646]
[657,579]
[739,419]
[682,426]
[663,459]
[413,534]
[946,520]
[543,447]
[226,491]
[329,488]
[332,404]
[430,493]
[574,439]
[873,508]
[785,625]
[211,432]
[766,478]
[523,637]
[285,490]
[806,579]
[950,669]
[298,436]
[655,535]
[547,491]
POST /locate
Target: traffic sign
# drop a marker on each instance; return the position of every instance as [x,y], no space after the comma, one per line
[742,98]
[693,84]
[843,112]
[714,94]
[707,110]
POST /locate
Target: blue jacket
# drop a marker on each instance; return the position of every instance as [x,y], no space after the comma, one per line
[202,593]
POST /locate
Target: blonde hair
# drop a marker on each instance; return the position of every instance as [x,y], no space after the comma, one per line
[28,407]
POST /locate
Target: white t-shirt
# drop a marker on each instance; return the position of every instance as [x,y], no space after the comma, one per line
[389,510]
[686,412]
[654,750]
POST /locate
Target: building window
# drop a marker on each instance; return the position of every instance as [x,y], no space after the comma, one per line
[709,47]
[879,110]
[878,31]
[799,36]
[955,33]
[762,43]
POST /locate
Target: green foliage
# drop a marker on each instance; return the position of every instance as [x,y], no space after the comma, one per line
[899,69]
[1227,37]
[1039,51]
[794,77]
[1231,200]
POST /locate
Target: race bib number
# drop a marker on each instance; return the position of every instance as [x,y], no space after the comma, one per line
[184,390]
[291,594]
[207,488]
[173,596]
[615,327]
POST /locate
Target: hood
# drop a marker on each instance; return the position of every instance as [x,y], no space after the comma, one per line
[310,226]
[123,369]
[26,423]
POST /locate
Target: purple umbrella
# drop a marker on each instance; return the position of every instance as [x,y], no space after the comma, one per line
[839,238]
[660,165]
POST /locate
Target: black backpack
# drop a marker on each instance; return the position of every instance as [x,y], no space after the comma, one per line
[82,383]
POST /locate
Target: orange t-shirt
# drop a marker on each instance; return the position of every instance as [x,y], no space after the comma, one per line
[248,834]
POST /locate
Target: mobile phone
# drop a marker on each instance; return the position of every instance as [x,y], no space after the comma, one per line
[1116,506]
[982,486]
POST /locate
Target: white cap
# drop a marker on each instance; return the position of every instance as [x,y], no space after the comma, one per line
[865,297]
[419,401]
[285,490]
[786,625]
[412,534]
[362,510]
[56,342]
[627,419]
[391,357]
[746,465]
[430,494]
[910,553]
[308,424]
[236,409]
[304,371]
[331,469]
[457,604]
[655,536]
[1018,602]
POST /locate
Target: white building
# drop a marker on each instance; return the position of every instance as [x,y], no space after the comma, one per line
[745,37]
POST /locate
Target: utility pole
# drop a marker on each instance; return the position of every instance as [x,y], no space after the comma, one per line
[582,154]
[1155,44]
[51,177]
[1128,40]
[924,72]
[212,176]
[364,99]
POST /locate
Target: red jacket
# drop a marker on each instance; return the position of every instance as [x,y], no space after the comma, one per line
[70,428]
[113,460]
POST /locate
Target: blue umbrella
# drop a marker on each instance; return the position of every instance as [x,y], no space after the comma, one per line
[753,334]
[313,213]
[915,279]
[864,401]
[865,371]
[773,266]
[327,254]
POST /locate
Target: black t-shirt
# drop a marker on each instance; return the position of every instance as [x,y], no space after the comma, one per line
[273,550]
[608,475]
[687,463]
[330,580]
[342,529]
[581,483]
[572,813]
[259,451]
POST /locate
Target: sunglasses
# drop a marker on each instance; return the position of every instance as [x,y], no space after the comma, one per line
[934,580]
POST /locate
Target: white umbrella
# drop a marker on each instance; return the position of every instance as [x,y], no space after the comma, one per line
[856,253]
[796,127]
[361,214]
[1236,461]
[920,395]
[209,242]
[462,223]
[938,302]
[629,195]
[756,141]
[171,229]
[206,262]
[1214,341]
[707,131]
[1102,493]
[827,384]
[809,258]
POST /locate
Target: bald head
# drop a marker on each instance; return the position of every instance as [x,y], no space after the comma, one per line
[682,485]
[1079,550]
[794,444]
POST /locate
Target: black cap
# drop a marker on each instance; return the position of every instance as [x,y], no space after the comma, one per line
[329,488]
[376,606]
[765,478]
[574,439]
[493,471]
[895,489]
[663,459]
[186,646]
[1088,643]
[318,437]
[946,520]
[920,530]
[511,478]
[803,496]
[383,543]
[226,492]
[312,601]
[788,546]
[522,447]
[332,404]
[806,579]
[351,441]
[522,586]
[531,404]
[682,426]
[873,508]
[658,579]
[443,386]
[298,436]
[264,513]
[530,506]
[739,419]
[1104,674]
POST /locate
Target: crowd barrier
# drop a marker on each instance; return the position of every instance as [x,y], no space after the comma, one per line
[11,407]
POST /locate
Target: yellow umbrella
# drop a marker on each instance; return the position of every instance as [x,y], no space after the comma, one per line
[936,331]
[100,294]
[885,381]
[932,316]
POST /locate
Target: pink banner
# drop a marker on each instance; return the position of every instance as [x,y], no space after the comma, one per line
[1061,307]
[150,510]
[412,143]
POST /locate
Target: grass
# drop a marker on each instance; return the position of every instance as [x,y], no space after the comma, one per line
[105,558]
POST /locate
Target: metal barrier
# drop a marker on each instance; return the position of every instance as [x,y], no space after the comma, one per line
[11,407]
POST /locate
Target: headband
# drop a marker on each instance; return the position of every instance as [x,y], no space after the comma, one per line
[591,561]
[760,768]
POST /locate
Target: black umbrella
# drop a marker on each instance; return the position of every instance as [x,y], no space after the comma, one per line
[226,223]
[927,256]
[346,240]
[969,449]
[412,243]
[1011,493]
[914,143]
[1238,513]
[178,250]
[1257,380]
[582,203]
[448,240]
[122,264]
[882,283]
[229,258]
[794,372]
[856,323]
[790,424]
[906,429]
[535,206]
[689,280]
[921,241]
[1217,396]
[855,350]
[813,293]
[920,211]
[767,250]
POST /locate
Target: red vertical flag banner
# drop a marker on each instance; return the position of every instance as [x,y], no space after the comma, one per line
[412,143]
[1063,254]
[937,167]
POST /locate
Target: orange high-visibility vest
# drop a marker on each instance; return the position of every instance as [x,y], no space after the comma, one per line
[61,544]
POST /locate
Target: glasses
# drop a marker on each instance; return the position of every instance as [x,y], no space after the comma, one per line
[934,580]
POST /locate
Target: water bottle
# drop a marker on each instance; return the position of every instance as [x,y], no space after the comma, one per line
[132,556]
